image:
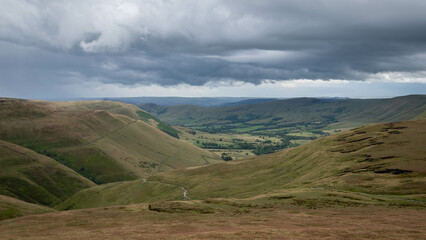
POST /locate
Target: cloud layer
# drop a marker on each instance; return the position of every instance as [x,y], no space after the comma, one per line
[171,42]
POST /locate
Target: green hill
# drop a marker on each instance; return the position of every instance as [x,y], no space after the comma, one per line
[103,141]
[283,116]
[11,208]
[32,177]
[378,159]
[383,159]
[122,193]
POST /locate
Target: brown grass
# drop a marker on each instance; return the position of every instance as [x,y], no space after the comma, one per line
[288,222]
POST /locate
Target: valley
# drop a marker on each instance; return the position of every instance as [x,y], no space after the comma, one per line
[242,129]
[100,169]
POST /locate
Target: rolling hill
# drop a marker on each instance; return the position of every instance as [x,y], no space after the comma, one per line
[12,208]
[103,141]
[283,116]
[378,160]
[122,193]
[35,178]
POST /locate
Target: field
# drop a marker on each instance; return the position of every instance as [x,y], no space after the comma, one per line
[294,121]
[234,145]
[245,145]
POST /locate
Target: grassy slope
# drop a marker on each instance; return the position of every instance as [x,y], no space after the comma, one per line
[381,159]
[122,193]
[340,169]
[336,114]
[32,177]
[186,222]
[11,208]
[118,108]
[101,145]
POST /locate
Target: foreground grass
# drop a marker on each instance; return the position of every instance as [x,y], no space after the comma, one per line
[221,219]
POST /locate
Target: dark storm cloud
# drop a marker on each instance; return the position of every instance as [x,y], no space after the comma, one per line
[195,42]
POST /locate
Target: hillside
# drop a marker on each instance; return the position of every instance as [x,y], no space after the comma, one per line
[379,159]
[12,208]
[103,141]
[368,165]
[280,116]
[32,177]
[122,193]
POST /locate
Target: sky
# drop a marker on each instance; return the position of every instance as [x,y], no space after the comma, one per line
[208,48]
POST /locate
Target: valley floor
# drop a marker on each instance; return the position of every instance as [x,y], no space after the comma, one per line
[284,222]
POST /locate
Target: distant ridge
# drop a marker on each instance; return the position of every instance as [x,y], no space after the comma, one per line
[280,114]
[164,101]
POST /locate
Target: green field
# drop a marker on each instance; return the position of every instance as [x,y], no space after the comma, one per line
[294,120]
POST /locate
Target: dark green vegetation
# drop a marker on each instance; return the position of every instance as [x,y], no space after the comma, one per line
[12,207]
[103,141]
[144,116]
[239,145]
[32,177]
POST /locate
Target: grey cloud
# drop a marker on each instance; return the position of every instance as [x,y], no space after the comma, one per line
[195,42]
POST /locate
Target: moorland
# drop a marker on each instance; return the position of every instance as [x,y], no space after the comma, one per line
[354,169]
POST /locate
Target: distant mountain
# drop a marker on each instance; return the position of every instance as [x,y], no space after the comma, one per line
[281,116]
[164,101]
[247,101]
[172,101]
